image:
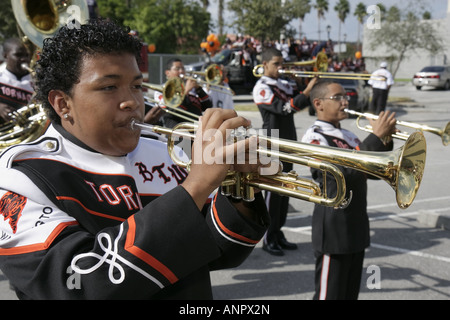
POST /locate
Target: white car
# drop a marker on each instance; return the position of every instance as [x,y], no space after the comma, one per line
[433,76]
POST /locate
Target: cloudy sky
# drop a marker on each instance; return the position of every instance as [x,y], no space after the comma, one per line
[438,9]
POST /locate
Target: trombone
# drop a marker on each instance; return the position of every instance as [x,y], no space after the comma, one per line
[173,96]
[402,169]
[332,75]
[444,133]
[213,77]
[321,65]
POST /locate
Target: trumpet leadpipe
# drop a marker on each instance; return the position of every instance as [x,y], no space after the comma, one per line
[444,133]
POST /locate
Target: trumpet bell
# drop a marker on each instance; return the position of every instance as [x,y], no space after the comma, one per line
[410,169]
[402,169]
[446,135]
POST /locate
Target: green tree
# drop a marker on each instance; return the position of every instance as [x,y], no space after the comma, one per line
[221,7]
[343,9]
[8,27]
[321,6]
[173,26]
[263,19]
[393,14]
[360,13]
[118,10]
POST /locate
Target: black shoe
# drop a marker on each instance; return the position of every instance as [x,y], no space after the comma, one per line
[273,248]
[286,244]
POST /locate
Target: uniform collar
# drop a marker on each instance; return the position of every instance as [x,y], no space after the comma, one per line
[323,123]
[66,134]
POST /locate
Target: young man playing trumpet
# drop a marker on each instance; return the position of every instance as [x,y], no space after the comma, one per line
[340,236]
[91,210]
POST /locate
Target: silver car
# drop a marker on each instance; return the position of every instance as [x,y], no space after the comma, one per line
[433,76]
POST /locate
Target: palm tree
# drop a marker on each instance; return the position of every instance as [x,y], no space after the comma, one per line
[301,8]
[205,4]
[342,8]
[220,16]
[360,13]
[321,6]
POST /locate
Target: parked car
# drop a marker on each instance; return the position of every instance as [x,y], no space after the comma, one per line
[358,91]
[434,76]
[239,76]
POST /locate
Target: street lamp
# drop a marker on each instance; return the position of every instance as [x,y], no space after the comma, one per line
[328,31]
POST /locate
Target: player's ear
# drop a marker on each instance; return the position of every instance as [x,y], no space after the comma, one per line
[318,104]
[60,102]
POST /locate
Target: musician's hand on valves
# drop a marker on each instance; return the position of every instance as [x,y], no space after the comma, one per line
[213,157]
[384,126]
[5,111]
[189,85]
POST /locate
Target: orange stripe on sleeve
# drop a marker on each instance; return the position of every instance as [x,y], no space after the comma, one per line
[144,256]
[226,230]
[38,246]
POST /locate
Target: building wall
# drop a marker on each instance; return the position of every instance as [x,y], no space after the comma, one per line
[414,61]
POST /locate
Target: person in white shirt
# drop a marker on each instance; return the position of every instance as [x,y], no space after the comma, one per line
[15,82]
[381,81]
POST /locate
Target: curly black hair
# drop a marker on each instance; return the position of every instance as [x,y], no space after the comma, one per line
[61,59]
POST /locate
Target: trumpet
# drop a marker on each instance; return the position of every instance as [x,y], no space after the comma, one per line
[402,169]
[213,77]
[241,185]
[444,133]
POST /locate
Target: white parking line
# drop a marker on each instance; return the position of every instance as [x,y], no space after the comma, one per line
[307,231]
[392,204]
[411,252]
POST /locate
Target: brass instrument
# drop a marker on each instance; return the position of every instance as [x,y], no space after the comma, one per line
[320,63]
[320,67]
[37,20]
[331,75]
[173,96]
[444,133]
[213,76]
[402,169]
[40,19]
[27,124]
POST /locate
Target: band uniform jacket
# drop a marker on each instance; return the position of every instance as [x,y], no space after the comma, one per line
[81,225]
[277,105]
[342,231]
[196,101]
